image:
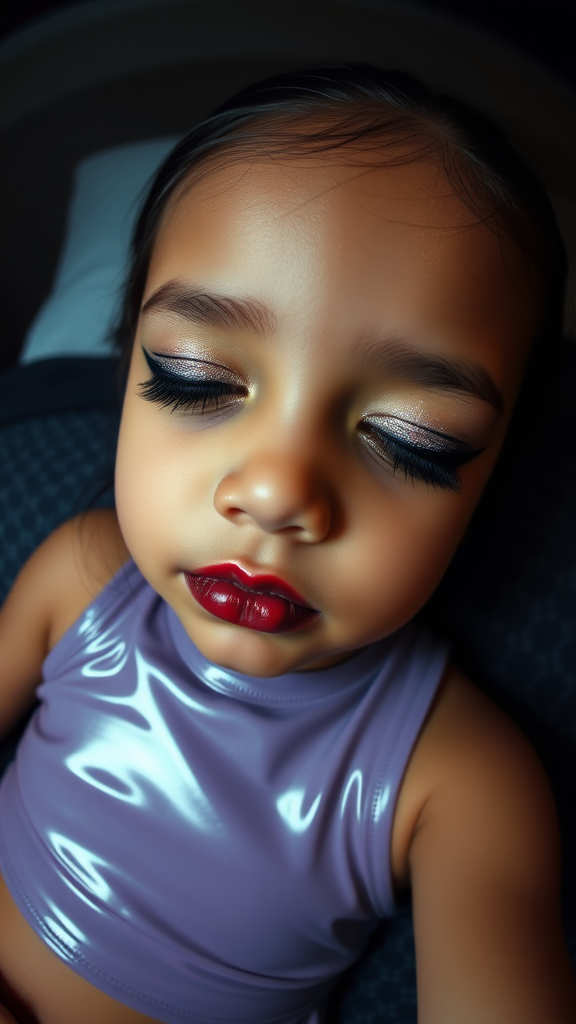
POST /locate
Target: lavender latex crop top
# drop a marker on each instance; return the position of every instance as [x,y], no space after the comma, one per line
[199,844]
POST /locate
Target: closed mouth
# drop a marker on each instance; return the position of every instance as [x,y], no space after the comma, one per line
[264,602]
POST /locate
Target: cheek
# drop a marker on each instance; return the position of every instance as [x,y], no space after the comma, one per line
[164,490]
[401,555]
[408,540]
[144,482]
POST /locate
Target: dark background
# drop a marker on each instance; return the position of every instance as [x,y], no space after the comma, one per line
[545,29]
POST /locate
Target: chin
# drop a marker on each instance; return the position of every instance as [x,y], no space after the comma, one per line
[247,651]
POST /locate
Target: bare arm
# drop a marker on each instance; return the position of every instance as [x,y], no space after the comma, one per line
[484,869]
[58,581]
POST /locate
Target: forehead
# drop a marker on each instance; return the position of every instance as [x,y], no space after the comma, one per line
[333,241]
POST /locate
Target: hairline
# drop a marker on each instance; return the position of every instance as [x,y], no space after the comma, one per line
[430,142]
[440,147]
[270,133]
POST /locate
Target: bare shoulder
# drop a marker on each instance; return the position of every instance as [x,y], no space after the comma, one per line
[80,558]
[476,837]
[56,584]
[472,763]
[65,573]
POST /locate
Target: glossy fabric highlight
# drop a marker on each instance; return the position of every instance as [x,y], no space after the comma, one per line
[198,843]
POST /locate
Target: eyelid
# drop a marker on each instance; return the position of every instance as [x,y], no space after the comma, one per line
[207,395]
[416,435]
[422,454]
[188,368]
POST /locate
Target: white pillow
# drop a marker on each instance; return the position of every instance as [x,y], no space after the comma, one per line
[108,188]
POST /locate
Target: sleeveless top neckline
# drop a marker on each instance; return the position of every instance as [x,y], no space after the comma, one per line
[199,844]
[283,690]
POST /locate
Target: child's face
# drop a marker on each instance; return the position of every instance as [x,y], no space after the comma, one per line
[363,329]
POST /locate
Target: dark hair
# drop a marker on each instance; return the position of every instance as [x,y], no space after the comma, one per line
[361,107]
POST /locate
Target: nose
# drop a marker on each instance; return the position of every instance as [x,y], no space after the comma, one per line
[280,493]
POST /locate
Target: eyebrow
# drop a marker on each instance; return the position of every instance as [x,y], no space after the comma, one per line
[435,372]
[206,309]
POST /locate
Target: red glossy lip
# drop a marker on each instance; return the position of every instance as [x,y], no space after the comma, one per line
[264,603]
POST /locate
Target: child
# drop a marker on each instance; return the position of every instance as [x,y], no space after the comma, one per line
[245,750]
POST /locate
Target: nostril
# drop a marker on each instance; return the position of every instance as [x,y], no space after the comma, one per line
[235,512]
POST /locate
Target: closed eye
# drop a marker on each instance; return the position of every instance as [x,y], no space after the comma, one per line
[419,453]
[201,389]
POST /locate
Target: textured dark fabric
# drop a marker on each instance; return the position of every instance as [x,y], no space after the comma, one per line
[61,384]
[381,987]
[58,428]
[50,467]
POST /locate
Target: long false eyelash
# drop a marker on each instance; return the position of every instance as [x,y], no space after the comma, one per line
[435,468]
[170,391]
